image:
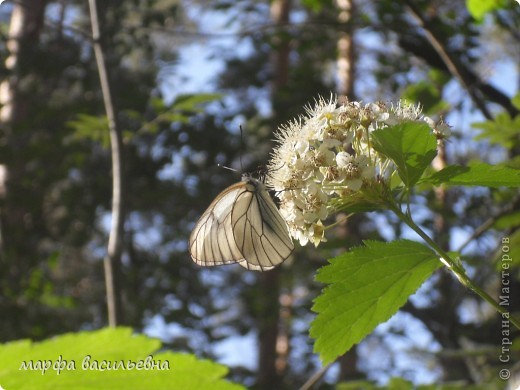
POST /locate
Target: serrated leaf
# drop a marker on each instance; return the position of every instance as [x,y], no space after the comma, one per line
[110,346]
[411,146]
[366,287]
[476,175]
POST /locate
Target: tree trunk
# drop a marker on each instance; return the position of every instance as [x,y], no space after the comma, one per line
[345,57]
[18,210]
[268,320]
[349,230]
[269,377]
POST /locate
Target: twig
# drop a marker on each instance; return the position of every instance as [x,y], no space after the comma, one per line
[113,258]
[316,377]
[453,265]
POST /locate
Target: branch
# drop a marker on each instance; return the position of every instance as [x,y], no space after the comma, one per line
[112,260]
[451,63]
[511,207]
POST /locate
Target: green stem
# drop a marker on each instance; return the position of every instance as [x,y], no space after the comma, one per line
[453,266]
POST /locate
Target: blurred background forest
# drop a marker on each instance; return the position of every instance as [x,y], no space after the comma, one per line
[185,76]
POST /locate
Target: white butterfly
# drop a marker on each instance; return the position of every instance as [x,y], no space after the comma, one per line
[242,225]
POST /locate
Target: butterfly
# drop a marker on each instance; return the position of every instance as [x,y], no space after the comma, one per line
[242,225]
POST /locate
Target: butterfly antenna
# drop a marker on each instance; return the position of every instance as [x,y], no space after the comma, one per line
[225,167]
[242,148]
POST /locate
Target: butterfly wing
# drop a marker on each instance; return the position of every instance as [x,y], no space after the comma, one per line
[242,225]
[260,232]
[212,241]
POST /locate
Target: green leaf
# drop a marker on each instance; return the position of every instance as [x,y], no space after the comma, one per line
[28,365]
[428,92]
[356,385]
[411,146]
[316,5]
[508,221]
[366,287]
[516,101]
[191,102]
[397,383]
[476,175]
[502,130]
[479,8]
[90,127]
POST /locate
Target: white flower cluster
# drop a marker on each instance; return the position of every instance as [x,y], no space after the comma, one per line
[327,155]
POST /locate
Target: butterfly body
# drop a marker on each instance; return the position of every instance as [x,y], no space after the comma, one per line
[242,225]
